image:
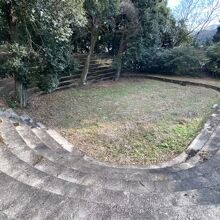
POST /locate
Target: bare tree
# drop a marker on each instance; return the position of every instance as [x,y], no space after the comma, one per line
[198,14]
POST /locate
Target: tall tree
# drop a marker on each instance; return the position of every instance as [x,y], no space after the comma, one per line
[99,13]
[17,15]
[8,10]
[40,28]
[155,20]
[53,20]
[4,33]
[127,24]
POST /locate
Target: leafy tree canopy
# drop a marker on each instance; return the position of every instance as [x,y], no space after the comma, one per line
[43,27]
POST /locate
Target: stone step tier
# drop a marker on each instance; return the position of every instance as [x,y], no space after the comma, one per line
[43,176]
[100,70]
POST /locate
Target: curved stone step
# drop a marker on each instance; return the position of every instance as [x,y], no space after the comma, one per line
[209,146]
[52,144]
[207,151]
[61,140]
[163,189]
[26,174]
[86,179]
[179,167]
[71,175]
[61,171]
[34,181]
[30,139]
[12,138]
[17,169]
[68,174]
[21,201]
[62,143]
[20,149]
[24,202]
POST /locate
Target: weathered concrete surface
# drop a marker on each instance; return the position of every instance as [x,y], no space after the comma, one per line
[42,176]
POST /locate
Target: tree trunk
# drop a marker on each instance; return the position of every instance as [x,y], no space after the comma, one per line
[119,59]
[12,21]
[20,89]
[21,94]
[88,59]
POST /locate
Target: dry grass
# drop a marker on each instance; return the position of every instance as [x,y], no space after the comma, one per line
[136,121]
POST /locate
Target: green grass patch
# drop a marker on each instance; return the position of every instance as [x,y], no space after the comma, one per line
[178,136]
[129,122]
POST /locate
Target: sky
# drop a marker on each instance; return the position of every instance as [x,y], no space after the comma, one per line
[173,3]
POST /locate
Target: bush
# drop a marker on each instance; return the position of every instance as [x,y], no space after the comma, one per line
[48,83]
[182,60]
[21,63]
[54,60]
[213,54]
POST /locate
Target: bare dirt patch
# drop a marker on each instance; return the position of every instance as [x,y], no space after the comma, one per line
[133,121]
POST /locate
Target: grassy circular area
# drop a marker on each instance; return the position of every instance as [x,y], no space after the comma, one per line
[136,121]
